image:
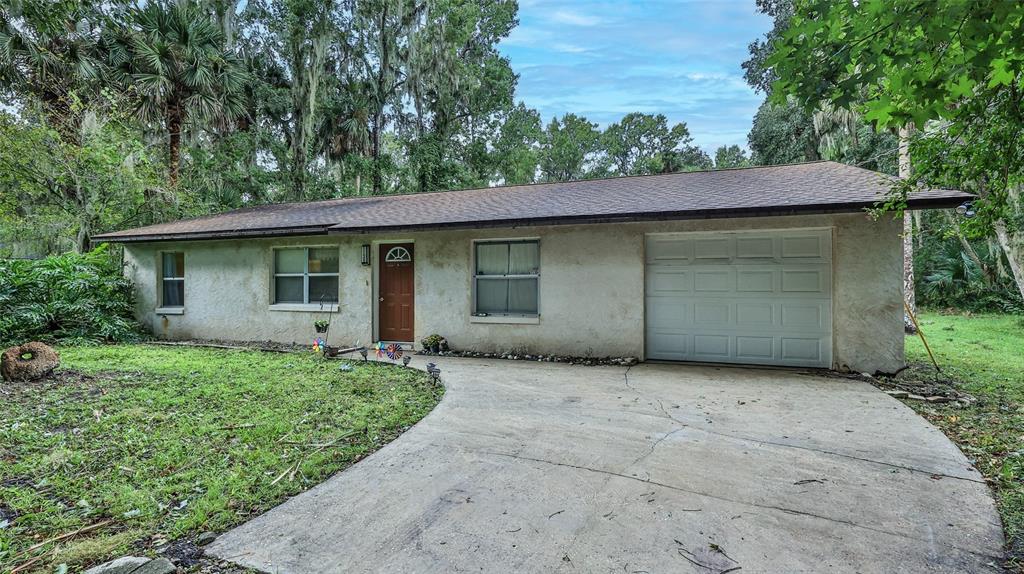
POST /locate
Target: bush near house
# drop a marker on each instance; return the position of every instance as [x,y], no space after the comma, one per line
[71,298]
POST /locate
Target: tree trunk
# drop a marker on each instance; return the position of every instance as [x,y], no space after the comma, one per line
[908,223]
[83,238]
[377,179]
[996,251]
[384,57]
[174,145]
[1013,247]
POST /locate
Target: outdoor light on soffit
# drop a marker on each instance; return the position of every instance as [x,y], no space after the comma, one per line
[965,209]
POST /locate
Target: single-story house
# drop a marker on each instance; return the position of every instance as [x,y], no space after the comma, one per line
[776,265]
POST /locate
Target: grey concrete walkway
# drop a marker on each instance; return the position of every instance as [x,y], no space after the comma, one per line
[538,467]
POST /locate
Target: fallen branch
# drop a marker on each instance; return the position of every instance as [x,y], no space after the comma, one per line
[219,346]
[333,353]
[235,427]
[82,530]
[280,476]
[29,563]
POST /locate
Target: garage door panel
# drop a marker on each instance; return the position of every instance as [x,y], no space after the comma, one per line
[756,280]
[755,315]
[804,280]
[671,346]
[801,349]
[712,248]
[808,317]
[668,314]
[669,249]
[755,247]
[804,246]
[758,297]
[712,314]
[755,348]
[713,281]
[669,281]
[711,347]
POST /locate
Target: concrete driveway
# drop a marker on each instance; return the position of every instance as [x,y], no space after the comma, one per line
[539,467]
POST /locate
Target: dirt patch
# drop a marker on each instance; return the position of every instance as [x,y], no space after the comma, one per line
[268,346]
[921,380]
[80,383]
[7,514]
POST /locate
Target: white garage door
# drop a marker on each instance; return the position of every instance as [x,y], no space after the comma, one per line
[758,297]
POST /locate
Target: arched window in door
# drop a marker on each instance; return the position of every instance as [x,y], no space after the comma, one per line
[398,255]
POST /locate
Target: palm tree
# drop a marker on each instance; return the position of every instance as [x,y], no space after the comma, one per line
[174,59]
[345,131]
[50,57]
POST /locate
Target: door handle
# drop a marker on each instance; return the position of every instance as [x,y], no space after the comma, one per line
[382,299]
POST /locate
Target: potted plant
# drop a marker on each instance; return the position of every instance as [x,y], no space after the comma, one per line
[321,326]
[432,343]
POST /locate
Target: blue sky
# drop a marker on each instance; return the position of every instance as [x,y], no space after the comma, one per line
[602,59]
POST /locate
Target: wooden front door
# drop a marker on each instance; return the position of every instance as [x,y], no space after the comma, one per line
[395,293]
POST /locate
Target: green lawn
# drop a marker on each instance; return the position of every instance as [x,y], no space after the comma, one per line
[155,444]
[982,355]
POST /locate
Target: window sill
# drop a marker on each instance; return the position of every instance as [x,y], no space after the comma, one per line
[506,319]
[305,307]
[170,311]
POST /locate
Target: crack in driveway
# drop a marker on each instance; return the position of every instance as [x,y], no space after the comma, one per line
[736,501]
[661,407]
[393,511]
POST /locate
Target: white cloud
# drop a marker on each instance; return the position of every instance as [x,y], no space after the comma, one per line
[570,48]
[574,18]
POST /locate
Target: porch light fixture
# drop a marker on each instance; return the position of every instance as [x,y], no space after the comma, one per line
[965,209]
[365,255]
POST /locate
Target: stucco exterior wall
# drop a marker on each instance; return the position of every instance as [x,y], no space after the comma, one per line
[591,288]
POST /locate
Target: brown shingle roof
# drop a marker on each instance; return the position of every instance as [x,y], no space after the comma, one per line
[817,187]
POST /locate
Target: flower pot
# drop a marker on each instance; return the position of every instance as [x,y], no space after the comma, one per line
[435,348]
[321,328]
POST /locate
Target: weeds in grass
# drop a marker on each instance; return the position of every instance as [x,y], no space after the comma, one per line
[169,442]
[981,355]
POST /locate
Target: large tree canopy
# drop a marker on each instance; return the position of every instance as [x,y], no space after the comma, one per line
[229,103]
[953,69]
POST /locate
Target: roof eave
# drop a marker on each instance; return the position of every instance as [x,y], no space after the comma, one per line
[815,209]
[213,235]
[812,209]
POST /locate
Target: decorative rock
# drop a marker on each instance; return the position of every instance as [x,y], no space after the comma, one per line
[158,566]
[123,565]
[916,397]
[938,399]
[28,362]
[898,394]
[205,538]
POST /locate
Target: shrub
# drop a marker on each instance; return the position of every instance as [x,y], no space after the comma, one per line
[71,298]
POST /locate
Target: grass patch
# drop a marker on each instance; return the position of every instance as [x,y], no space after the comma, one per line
[166,443]
[982,355]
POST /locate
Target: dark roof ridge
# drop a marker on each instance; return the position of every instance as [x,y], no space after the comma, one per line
[821,185]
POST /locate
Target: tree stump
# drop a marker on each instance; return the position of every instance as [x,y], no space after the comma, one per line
[28,362]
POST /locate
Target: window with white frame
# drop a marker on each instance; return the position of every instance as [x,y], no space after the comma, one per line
[506,278]
[172,279]
[306,275]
